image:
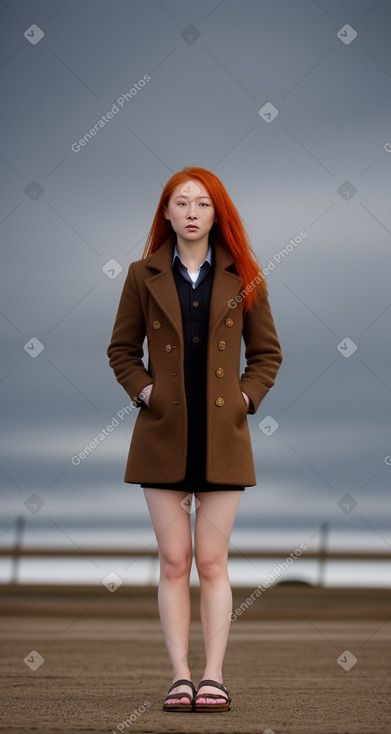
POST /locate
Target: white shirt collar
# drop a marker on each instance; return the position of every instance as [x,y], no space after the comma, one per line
[207,259]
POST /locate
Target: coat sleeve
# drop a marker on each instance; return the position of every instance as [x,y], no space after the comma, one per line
[125,351]
[263,353]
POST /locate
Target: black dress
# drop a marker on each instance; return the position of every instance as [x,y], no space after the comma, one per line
[195,300]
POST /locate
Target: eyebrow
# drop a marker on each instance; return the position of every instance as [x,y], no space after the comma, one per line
[183,196]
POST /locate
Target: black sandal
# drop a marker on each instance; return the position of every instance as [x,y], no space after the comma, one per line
[180,706]
[209,707]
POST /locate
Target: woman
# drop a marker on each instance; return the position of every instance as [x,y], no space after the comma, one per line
[195,293]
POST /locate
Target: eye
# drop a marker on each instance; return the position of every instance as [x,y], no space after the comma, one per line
[203,203]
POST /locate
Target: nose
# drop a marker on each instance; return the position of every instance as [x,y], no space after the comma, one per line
[192,214]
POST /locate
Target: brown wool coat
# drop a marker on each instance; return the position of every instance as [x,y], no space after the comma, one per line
[149,307]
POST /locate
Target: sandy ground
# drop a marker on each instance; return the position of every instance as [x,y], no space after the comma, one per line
[103,673]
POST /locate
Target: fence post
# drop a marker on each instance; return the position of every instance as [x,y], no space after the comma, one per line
[324,533]
[19,528]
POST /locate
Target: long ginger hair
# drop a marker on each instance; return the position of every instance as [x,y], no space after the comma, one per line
[229,230]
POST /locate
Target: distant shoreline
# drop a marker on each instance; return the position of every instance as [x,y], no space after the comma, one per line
[284,601]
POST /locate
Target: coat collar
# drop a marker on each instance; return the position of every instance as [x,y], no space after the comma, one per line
[161,283]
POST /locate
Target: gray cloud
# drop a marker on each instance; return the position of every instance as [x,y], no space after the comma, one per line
[201,106]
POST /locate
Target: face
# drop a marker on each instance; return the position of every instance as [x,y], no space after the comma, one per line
[190,211]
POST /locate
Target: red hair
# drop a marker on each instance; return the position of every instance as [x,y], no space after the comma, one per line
[229,230]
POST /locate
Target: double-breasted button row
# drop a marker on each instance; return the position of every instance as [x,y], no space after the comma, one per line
[220,371]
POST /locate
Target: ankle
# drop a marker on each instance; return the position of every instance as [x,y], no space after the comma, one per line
[213,675]
[177,675]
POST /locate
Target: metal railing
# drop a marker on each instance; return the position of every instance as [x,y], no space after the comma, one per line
[323,555]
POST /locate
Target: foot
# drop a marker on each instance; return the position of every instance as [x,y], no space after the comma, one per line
[204,699]
[186,696]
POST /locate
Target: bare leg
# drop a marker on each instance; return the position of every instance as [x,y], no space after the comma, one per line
[173,533]
[214,520]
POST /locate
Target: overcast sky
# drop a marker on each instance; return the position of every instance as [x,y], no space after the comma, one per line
[215,76]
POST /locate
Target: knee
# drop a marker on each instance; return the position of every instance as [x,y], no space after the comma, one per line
[210,565]
[175,567]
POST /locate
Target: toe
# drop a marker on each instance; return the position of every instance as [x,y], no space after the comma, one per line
[206,699]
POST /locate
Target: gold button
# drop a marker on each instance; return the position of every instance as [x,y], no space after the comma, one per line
[195,304]
[229,322]
[156,324]
[220,372]
[219,402]
[222,345]
[196,339]
[168,347]
[175,402]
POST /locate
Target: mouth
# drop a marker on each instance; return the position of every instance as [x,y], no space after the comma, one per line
[191,226]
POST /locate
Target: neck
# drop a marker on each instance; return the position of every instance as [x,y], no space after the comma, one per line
[192,254]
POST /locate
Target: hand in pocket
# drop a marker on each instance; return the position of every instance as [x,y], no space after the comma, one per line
[247,399]
[145,393]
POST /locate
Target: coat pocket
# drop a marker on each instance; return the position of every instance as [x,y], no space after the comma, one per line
[151,397]
[157,404]
[242,401]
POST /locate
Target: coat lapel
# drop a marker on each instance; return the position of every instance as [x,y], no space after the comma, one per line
[226,285]
[161,285]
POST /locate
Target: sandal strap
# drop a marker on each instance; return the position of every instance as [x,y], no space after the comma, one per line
[179,696]
[215,684]
[182,682]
